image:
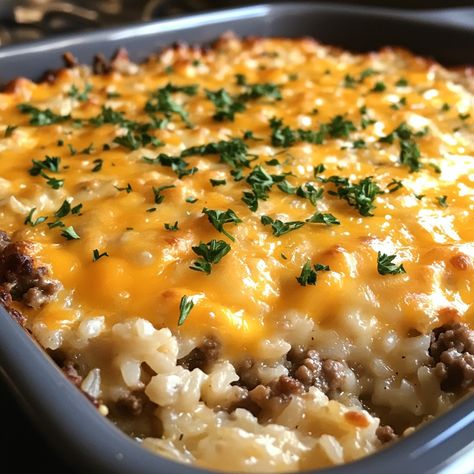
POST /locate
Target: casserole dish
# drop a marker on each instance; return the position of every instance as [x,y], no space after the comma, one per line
[271,17]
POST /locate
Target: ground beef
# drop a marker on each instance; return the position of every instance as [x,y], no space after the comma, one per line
[305,369]
[268,400]
[308,368]
[202,357]
[452,350]
[385,434]
[21,278]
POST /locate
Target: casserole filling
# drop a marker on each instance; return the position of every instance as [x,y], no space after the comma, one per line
[254,257]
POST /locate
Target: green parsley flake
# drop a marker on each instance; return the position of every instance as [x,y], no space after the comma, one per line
[322,218]
[69,233]
[279,227]
[172,227]
[29,218]
[385,265]
[41,117]
[309,275]
[219,218]
[210,253]
[159,198]
[96,255]
[185,306]
[442,201]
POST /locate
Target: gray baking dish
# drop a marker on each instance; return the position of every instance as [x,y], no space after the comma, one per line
[65,417]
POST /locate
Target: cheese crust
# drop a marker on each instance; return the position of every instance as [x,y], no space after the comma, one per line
[339,189]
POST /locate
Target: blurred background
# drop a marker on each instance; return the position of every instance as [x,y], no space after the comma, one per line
[22,20]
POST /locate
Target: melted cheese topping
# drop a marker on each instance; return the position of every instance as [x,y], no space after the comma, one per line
[253,288]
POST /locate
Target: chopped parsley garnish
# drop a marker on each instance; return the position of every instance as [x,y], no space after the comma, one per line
[151,209]
[76,209]
[97,165]
[367,73]
[210,253]
[261,183]
[360,195]
[128,189]
[234,152]
[317,170]
[322,218]
[397,106]
[410,155]
[176,163]
[171,226]
[185,306]
[88,150]
[226,105]
[339,127]
[134,141]
[41,117]
[109,115]
[96,255]
[309,192]
[219,218]
[279,227]
[69,233]
[464,116]
[401,82]
[436,168]
[419,196]
[282,135]
[218,182]
[256,91]
[9,130]
[53,182]
[442,201]
[349,81]
[162,101]
[394,185]
[378,87]
[29,218]
[409,151]
[159,198]
[272,162]
[50,163]
[309,274]
[286,187]
[445,107]
[72,150]
[75,93]
[191,199]
[63,210]
[385,265]
[359,144]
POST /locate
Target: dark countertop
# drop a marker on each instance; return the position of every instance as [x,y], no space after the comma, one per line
[16,427]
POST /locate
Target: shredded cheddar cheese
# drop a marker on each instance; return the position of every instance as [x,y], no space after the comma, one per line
[336,171]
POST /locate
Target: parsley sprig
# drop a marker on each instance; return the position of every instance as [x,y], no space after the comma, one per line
[210,254]
[385,265]
[219,218]
[309,273]
[279,227]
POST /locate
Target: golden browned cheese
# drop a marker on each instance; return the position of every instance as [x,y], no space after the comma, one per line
[427,222]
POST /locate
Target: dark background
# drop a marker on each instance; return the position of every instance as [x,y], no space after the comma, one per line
[16,430]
